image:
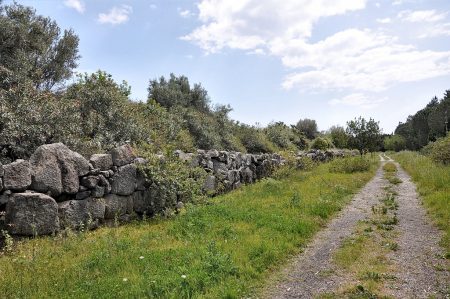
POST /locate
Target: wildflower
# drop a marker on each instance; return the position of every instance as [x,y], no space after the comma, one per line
[183,276]
[141,257]
[125,279]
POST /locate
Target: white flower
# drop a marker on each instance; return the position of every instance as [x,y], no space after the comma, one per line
[125,279]
[141,257]
[183,276]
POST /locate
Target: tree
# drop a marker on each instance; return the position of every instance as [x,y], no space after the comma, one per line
[395,143]
[177,92]
[364,135]
[339,137]
[33,48]
[307,127]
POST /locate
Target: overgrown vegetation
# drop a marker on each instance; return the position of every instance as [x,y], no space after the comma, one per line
[433,184]
[222,249]
[350,165]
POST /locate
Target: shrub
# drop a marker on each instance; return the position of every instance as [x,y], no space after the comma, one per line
[350,165]
[321,143]
[390,167]
[439,151]
[395,143]
[254,140]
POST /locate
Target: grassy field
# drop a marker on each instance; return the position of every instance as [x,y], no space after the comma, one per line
[433,185]
[224,248]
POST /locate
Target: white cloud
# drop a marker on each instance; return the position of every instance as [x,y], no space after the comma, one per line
[248,24]
[352,59]
[442,29]
[76,4]
[384,20]
[153,6]
[359,60]
[421,16]
[116,15]
[186,13]
[358,100]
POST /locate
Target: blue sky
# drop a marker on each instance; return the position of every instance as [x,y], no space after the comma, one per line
[271,60]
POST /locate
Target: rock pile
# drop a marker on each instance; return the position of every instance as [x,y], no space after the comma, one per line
[327,155]
[59,188]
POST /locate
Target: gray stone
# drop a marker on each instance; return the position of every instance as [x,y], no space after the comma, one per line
[246,175]
[117,205]
[31,214]
[83,195]
[1,170]
[104,183]
[105,173]
[89,213]
[1,184]
[56,169]
[122,155]
[220,169]
[5,197]
[89,181]
[124,181]
[98,191]
[210,183]
[143,203]
[101,161]
[17,176]
[95,171]
[213,154]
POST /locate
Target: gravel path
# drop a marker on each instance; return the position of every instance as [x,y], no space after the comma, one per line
[421,268]
[418,260]
[313,271]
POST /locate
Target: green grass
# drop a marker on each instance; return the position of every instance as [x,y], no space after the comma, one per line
[225,248]
[433,185]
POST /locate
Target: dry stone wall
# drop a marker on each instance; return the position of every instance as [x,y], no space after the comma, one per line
[58,188]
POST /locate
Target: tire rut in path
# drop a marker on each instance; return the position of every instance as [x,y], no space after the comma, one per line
[313,271]
[419,254]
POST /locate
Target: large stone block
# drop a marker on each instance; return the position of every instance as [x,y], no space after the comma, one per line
[17,176]
[101,161]
[56,169]
[124,180]
[210,183]
[88,213]
[31,214]
[122,155]
[117,206]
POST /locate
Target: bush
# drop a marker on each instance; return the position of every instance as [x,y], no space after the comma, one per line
[350,165]
[390,167]
[321,143]
[394,143]
[254,140]
[439,151]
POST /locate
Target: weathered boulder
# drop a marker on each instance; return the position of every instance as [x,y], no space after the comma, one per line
[124,180]
[17,175]
[83,194]
[122,155]
[103,182]
[31,214]
[56,169]
[4,197]
[246,175]
[101,161]
[117,206]
[87,213]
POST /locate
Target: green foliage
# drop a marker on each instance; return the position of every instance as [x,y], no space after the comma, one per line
[308,127]
[433,184]
[439,151]
[176,91]
[254,139]
[395,143]
[321,143]
[339,137]
[427,124]
[223,249]
[364,135]
[389,167]
[281,135]
[33,49]
[174,180]
[29,118]
[351,164]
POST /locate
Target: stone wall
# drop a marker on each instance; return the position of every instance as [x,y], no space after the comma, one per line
[59,188]
[327,155]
